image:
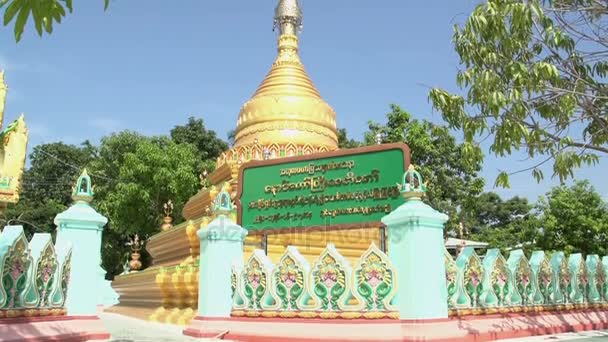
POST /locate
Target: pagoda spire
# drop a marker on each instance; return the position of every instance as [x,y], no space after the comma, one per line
[288,17]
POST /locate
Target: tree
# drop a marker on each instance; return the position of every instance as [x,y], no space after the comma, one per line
[452,174]
[574,219]
[344,141]
[54,170]
[501,223]
[44,13]
[535,79]
[206,142]
[136,175]
[491,211]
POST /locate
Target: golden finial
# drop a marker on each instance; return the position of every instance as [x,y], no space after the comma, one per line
[288,17]
[203,179]
[136,245]
[287,108]
[167,220]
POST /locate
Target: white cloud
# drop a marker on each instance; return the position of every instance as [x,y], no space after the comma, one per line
[107,125]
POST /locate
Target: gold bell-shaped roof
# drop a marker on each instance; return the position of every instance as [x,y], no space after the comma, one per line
[287,108]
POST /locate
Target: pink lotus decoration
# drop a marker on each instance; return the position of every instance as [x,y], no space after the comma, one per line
[474,277]
[289,279]
[525,280]
[46,274]
[329,279]
[374,277]
[502,279]
[17,269]
[254,279]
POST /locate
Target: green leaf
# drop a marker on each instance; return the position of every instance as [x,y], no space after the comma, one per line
[502,180]
[106,4]
[538,174]
[24,13]
[68,4]
[48,25]
[12,10]
[37,20]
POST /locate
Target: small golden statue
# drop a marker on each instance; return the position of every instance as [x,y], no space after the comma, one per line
[168,219]
[136,245]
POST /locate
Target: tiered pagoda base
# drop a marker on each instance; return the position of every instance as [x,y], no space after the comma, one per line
[461,328]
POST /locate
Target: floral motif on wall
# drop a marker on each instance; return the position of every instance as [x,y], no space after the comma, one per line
[375,279]
[473,275]
[523,279]
[255,283]
[14,275]
[329,279]
[47,265]
[289,283]
[29,274]
[451,275]
[544,280]
[499,279]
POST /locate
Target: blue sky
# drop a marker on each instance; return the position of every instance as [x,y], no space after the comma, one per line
[147,65]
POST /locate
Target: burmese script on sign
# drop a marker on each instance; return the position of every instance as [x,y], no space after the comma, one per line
[318,184]
[313,168]
[358,187]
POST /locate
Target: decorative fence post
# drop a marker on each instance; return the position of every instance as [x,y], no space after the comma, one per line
[416,249]
[221,248]
[83,227]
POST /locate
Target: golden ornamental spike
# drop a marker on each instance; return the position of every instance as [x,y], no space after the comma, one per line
[167,219]
[13,142]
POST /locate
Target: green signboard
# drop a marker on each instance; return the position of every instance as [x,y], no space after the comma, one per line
[339,189]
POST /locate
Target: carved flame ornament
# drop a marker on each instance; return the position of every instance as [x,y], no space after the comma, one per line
[12,152]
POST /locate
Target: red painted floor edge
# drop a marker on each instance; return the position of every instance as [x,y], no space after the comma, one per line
[37,319]
[471,337]
[81,337]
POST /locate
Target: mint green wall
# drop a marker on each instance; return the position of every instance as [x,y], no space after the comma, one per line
[416,249]
[221,247]
[83,227]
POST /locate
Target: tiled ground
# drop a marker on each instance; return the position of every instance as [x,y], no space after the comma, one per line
[586,336]
[127,329]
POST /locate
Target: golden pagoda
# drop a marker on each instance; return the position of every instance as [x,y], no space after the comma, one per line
[286,116]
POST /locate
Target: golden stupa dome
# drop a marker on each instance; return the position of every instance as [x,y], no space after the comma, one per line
[287,109]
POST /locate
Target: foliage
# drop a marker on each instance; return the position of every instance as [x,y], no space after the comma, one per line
[208,145]
[501,223]
[54,170]
[47,185]
[574,219]
[490,210]
[535,79]
[139,175]
[451,172]
[44,14]
[344,141]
